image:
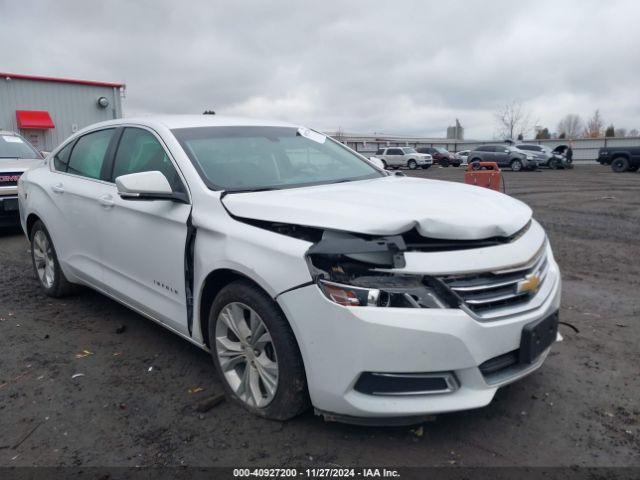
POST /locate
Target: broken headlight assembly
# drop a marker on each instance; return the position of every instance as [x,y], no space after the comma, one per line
[354,271]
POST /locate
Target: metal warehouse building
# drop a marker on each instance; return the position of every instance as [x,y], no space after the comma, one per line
[46,110]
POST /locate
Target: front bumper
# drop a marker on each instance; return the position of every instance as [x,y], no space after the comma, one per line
[424,161]
[338,344]
[9,214]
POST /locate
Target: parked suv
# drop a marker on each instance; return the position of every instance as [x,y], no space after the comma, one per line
[441,156]
[397,157]
[308,273]
[504,156]
[621,159]
[16,156]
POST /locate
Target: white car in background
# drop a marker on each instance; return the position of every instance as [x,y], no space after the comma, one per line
[311,276]
[463,156]
[396,157]
[16,156]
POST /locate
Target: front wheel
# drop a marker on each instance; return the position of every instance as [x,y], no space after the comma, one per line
[424,167]
[516,165]
[412,164]
[256,354]
[384,165]
[46,264]
[553,164]
[619,164]
[444,163]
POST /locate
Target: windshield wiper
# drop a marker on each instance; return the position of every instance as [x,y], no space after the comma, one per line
[248,190]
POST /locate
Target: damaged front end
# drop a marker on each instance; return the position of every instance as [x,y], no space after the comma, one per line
[358,271]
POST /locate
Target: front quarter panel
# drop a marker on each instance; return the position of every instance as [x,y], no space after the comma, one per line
[275,262]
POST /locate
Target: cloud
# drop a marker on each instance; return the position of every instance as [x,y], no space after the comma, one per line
[400,67]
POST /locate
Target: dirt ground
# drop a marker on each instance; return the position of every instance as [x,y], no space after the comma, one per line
[136,402]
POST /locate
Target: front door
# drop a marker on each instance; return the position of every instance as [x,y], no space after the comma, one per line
[144,241]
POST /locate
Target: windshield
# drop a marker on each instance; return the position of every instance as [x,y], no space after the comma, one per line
[442,150]
[12,146]
[409,150]
[261,158]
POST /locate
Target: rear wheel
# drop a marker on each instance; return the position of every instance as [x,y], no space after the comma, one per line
[516,165]
[444,162]
[412,164]
[46,265]
[256,354]
[384,164]
[620,164]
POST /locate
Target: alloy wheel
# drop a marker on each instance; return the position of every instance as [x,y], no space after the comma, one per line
[246,354]
[43,259]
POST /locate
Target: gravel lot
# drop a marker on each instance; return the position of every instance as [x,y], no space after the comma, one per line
[136,403]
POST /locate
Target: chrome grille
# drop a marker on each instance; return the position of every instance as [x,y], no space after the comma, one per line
[486,293]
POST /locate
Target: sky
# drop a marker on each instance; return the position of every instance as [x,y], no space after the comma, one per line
[395,67]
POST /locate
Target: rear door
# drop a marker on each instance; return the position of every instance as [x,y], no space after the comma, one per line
[395,157]
[76,188]
[144,240]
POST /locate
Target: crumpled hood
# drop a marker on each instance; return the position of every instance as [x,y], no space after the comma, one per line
[388,206]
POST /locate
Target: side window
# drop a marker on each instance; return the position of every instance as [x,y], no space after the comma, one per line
[140,151]
[88,154]
[61,159]
[394,151]
[380,151]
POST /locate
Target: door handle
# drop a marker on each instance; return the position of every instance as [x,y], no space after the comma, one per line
[106,201]
[58,188]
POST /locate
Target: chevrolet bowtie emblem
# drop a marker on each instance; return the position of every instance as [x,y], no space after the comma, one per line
[530,284]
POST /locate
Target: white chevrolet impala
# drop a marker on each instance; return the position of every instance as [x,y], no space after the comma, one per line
[310,274]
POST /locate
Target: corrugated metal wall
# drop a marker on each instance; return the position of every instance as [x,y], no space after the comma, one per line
[71,106]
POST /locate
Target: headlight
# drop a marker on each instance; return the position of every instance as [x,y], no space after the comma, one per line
[414,295]
[530,157]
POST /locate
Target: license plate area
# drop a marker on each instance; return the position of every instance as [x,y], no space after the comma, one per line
[537,337]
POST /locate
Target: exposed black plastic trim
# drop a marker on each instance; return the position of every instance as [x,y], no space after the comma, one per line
[189,260]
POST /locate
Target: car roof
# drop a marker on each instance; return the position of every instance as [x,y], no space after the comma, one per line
[190,121]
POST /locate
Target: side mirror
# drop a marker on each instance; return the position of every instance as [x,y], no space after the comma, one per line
[377,162]
[147,186]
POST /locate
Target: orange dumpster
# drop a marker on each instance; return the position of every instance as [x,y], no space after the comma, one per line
[483,174]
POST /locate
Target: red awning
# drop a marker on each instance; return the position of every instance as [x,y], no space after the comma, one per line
[34,119]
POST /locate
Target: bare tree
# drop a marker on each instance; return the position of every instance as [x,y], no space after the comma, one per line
[513,120]
[570,126]
[621,132]
[594,126]
[634,132]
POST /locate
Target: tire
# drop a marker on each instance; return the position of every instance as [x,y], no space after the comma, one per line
[424,167]
[444,163]
[475,160]
[412,165]
[456,164]
[516,165]
[384,165]
[620,164]
[553,164]
[277,399]
[46,265]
